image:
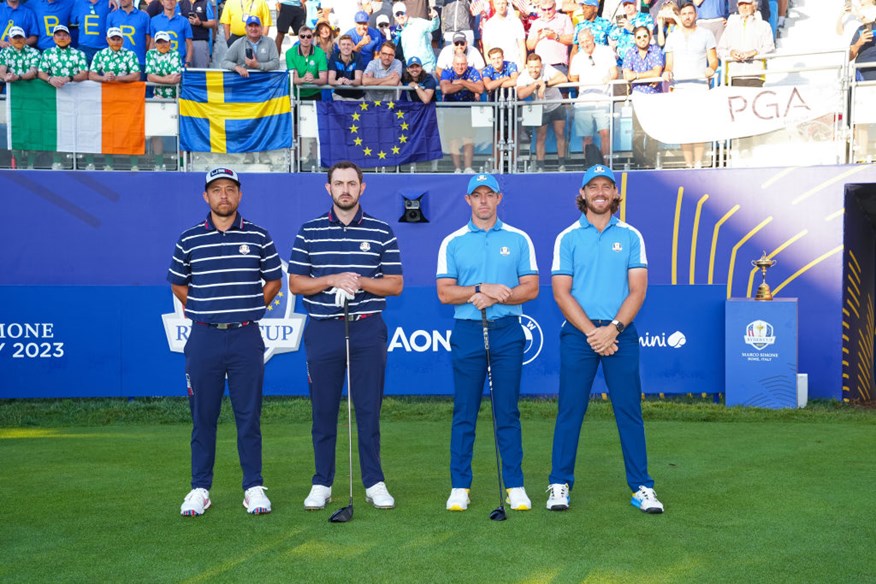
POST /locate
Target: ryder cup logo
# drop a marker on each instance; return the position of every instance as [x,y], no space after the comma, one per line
[759,334]
[534,339]
[280,327]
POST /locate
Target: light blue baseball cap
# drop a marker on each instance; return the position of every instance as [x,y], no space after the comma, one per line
[596,171]
[483,180]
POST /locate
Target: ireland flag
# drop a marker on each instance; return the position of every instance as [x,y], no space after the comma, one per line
[88,117]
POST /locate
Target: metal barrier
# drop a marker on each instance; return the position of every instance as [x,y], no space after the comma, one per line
[501,135]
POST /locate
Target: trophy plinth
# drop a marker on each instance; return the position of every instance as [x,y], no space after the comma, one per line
[764,263]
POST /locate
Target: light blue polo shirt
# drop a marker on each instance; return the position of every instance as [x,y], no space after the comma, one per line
[598,263]
[473,256]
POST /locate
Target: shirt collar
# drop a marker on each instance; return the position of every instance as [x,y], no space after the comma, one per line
[588,225]
[357,219]
[238,223]
[474,228]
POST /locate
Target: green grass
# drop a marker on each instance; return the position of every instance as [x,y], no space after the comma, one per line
[90,492]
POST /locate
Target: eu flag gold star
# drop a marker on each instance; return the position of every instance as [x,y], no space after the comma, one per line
[363,106]
[390,105]
[404,126]
[400,115]
[366,151]
[354,128]
[395,149]
[377,103]
[381,155]
[357,141]
[356,117]
[269,307]
[403,139]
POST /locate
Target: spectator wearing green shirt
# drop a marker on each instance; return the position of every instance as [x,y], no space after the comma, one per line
[62,63]
[115,64]
[164,66]
[19,62]
[308,65]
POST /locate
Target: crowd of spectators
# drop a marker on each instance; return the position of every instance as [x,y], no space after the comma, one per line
[357,49]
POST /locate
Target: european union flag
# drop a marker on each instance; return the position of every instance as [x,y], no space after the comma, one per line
[220,111]
[377,133]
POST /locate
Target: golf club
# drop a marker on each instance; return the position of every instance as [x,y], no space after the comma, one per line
[498,514]
[345,514]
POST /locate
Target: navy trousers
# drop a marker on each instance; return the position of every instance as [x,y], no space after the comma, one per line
[211,354]
[578,364]
[326,373]
[469,375]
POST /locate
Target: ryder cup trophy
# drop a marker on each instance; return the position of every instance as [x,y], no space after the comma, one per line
[763,291]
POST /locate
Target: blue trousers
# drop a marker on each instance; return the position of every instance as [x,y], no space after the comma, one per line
[211,354]
[578,363]
[469,374]
[326,373]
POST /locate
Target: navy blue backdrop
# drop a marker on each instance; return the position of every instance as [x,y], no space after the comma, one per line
[85,256]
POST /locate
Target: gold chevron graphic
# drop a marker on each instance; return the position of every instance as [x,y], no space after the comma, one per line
[678,200]
[693,237]
[715,232]
[736,247]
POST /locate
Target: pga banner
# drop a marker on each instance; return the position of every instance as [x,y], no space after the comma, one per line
[726,113]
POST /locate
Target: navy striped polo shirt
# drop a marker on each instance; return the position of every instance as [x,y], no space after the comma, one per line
[224,270]
[325,246]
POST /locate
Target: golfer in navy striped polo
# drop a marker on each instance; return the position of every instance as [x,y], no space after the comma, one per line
[217,272]
[346,255]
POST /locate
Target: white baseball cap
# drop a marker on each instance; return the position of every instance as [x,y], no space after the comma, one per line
[114,32]
[16,31]
[399,7]
[162,35]
[220,172]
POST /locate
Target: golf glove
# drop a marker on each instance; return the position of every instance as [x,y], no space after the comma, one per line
[341,296]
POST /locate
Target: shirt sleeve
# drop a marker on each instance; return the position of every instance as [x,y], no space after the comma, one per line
[562,264]
[180,272]
[390,262]
[270,263]
[446,260]
[527,265]
[299,259]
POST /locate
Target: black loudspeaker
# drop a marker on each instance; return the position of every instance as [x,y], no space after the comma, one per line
[413,212]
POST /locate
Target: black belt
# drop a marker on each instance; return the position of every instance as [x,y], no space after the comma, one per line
[223,326]
[353,317]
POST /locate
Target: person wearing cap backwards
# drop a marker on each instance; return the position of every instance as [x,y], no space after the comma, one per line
[15,14]
[486,265]
[50,14]
[114,64]
[216,273]
[459,46]
[415,37]
[163,66]
[235,14]
[177,26]
[346,257]
[366,39]
[599,277]
[422,84]
[90,16]
[62,63]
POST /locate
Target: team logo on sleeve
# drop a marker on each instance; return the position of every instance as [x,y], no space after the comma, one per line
[616,246]
[243,249]
[364,246]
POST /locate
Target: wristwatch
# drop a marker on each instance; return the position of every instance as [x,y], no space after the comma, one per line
[619,326]
[477,288]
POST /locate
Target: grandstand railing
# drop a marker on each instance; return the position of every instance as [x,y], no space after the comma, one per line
[502,130]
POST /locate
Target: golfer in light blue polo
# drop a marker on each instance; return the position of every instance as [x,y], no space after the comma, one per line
[486,265]
[599,277]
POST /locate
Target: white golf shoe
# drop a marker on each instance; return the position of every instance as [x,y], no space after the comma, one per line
[318,497]
[645,499]
[517,499]
[458,500]
[558,497]
[378,496]
[195,503]
[255,501]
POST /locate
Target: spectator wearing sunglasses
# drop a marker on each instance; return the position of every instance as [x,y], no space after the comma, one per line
[460,46]
[416,35]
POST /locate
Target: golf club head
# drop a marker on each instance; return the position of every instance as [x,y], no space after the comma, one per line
[342,515]
[498,514]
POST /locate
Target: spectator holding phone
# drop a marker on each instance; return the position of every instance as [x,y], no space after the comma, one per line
[203,21]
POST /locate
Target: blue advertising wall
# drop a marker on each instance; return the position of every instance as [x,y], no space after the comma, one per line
[84,257]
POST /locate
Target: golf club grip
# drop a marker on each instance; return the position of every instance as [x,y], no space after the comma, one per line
[486,326]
